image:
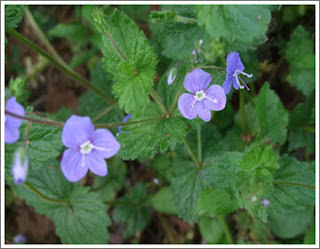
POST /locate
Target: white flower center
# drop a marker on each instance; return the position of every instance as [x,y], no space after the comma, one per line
[86,147]
[200,95]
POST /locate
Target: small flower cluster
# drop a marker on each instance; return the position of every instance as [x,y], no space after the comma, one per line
[202,99]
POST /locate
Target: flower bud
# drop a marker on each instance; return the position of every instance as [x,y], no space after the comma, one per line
[172,76]
[20,166]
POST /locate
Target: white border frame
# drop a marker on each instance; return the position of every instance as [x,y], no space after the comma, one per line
[2,53]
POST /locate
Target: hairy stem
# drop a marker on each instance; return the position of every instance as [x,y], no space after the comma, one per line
[214,67]
[109,125]
[30,187]
[157,99]
[294,184]
[174,104]
[193,156]
[62,67]
[226,229]
[243,121]
[105,112]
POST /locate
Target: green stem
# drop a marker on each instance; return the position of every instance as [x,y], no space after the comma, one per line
[60,124]
[250,98]
[109,125]
[199,144]
[157,99]
[174,104]
[105,112]
[214,67]
[308,129]
[226,229]
[294,184]
[62,67]
[44,197]
[36,121]
[193,156]
[244,126]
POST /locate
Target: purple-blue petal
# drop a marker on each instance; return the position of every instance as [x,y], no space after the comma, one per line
[71,165]
[203,112]
[185,106]
[124,120]
[96,163]
[197,80]
[234,63]
[13,106]
[217,94]
[76,131]
[105,140]
[11,134]
[227,84]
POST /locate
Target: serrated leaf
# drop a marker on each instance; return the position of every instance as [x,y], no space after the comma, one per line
[109,185]
[300,55]
[18,88]
[288,224]
[13,15]
[163,202]
[80,217]
[246,24]
[136,214]
[215,201]
[211,229]
[133,68]
[187,186]
[292,191]
[141,140]
[272,116]
[44,144]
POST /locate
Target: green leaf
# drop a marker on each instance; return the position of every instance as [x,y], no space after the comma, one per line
[260,232]
[214,202]
[272,116]
[44,144]
[80,216]
[187,186]
[245,24]
[223,172]
[288,224]
[293,179]
[260,160]
[133,68]
[18,88]
[75,33]
[211,229]
[310,236]
[13,15]
[141,140]
[109,185]
[163,202]
[300,55]
[134,211]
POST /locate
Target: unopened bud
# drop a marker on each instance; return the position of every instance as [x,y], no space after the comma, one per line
[20,166]
[172,76]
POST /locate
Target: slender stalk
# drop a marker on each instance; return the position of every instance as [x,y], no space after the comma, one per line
[62,67]
[36,121]
[174,104]
[109,125]
[42,36]
[294,184]
[214,67]
[244,126]
[199,144]
[105,112]
[26,140]
[60,124]
[157,99]
[193,156]
[250,98]
[226,229]
[30,187]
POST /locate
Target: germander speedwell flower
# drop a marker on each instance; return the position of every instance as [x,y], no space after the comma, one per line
[202,100]
[11,124]
[235,67]
[87,148]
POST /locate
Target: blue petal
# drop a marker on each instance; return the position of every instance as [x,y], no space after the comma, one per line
[197,80]
[234,63]
[71,165]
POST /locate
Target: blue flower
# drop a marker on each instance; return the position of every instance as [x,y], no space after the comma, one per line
[202,100]
[234,69]
[87,148]
[11,124]
[20,166]
[19,239]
